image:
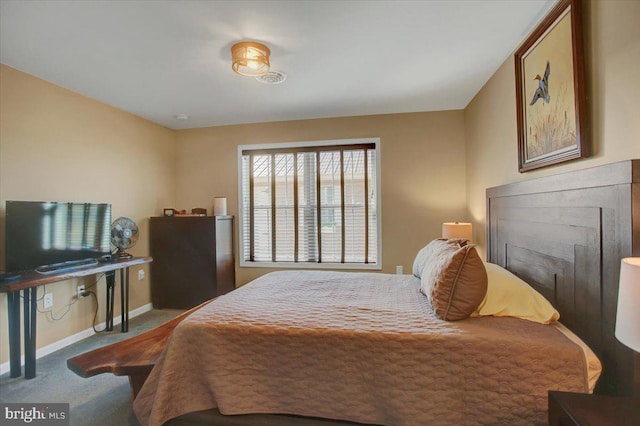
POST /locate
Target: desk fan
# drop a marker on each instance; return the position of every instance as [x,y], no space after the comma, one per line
[124,235]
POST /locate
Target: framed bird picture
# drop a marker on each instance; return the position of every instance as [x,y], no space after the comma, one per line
[550,92]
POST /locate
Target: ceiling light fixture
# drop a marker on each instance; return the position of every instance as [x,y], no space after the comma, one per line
[250,58]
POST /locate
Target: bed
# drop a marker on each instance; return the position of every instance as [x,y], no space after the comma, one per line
[361,348]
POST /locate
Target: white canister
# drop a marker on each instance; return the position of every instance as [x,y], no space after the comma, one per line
[220,206]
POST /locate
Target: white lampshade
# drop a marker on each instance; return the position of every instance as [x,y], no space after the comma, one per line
[457,230]
[628,317]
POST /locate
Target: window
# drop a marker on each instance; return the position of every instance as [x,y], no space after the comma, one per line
[306,204]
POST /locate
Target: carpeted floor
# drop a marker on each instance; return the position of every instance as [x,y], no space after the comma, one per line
[102,400]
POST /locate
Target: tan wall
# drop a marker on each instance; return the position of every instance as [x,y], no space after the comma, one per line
[60,146]
[422,171]
[612,55]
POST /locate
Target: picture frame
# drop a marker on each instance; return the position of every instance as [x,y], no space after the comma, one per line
[550,90]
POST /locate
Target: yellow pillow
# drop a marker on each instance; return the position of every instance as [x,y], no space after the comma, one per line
[509,296]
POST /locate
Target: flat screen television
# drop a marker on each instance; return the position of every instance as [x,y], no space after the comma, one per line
[40,234]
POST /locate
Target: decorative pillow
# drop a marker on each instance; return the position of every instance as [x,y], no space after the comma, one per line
[453,278]
[509,296]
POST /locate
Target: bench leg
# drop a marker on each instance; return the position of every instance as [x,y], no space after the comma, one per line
[135,382]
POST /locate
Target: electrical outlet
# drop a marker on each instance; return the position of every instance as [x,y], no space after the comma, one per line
[79,291]
[48,300]
[399,270]
[140,274]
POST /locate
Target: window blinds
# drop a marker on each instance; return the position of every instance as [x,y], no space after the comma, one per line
[310,204]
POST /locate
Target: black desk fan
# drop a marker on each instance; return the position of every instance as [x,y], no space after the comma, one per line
[124,235]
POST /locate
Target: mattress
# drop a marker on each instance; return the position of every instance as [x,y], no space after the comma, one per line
[360,347]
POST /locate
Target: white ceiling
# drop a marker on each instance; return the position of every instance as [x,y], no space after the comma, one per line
[158,59]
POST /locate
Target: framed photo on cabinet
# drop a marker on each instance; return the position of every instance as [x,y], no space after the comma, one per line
[550,92]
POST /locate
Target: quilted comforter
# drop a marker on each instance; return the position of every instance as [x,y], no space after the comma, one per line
[363,347]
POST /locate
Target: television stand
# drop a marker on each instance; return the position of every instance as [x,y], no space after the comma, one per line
[29,282]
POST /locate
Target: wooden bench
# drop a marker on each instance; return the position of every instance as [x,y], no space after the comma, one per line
[134,357]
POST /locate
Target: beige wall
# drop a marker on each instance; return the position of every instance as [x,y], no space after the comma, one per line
[422,171]
[612,55]
[61,146]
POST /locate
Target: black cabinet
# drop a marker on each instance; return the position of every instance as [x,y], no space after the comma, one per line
[192,259]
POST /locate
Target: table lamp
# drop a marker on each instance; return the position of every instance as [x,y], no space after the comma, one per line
[628,315]
[457,230]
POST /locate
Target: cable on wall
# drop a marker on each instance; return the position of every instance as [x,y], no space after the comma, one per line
[68,305]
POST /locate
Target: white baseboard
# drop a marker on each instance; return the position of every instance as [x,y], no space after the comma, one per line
[46,350]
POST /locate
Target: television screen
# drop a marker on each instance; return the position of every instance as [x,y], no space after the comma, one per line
[46,233]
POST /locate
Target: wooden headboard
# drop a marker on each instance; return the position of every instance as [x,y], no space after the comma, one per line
[565,235]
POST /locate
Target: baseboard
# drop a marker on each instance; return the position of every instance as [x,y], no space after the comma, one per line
[46,350]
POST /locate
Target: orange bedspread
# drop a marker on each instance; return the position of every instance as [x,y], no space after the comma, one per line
[362,347]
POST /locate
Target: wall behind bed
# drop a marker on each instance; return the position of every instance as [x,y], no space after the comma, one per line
[612,61]
[422,170]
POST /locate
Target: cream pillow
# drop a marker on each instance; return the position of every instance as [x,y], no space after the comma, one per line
[509,296]
[453,278]
[421,258]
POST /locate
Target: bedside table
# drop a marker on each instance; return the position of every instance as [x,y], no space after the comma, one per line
[568,408]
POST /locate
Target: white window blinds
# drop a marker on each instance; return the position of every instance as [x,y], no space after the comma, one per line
[310,204]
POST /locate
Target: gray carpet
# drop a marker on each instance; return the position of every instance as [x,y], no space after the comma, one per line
[102,400]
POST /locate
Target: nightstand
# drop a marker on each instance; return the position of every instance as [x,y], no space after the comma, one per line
[568,408]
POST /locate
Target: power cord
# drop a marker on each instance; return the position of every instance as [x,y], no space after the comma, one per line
[95,314]
[98,278]
[95,298]
[44,292]
[68,305]
[53,317]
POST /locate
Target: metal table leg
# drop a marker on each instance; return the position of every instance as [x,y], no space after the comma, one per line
[30,308]
[124,299]
[13,308]
[110,277]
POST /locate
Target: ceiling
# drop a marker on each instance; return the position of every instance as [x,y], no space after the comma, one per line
[160,59]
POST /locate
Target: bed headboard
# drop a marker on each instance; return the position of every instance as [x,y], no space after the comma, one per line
[565,235]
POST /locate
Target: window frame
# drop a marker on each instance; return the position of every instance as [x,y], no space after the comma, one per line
[312,265]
